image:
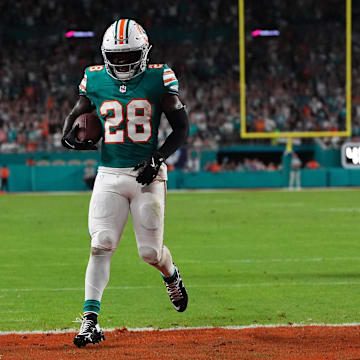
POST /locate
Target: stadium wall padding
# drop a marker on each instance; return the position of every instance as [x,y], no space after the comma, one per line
[240,179]
[314,178]
[21,158]
[70,178]
[343,177]
[327,157]
[46,178]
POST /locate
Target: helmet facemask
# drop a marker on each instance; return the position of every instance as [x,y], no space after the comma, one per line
[125,65]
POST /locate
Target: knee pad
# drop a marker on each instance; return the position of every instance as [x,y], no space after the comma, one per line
[151,213]
[150,255]
[104,240]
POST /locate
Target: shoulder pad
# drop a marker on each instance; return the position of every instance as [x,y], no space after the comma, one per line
[170,81]
[94,68]
[89,73]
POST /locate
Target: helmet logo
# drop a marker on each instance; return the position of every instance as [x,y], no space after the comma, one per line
[122,89]
[142,33]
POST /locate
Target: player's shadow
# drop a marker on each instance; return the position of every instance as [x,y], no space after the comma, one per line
[69,347]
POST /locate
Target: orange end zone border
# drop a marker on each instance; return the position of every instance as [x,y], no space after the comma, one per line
[283,342]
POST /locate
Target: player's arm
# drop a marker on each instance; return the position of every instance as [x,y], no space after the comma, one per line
[178,119]
[69,140]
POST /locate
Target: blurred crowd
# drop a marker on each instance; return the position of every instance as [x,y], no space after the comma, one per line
[245,165]
[295,82]
[40,69]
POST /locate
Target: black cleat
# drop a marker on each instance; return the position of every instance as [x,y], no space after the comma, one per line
[90,332]
[177,292]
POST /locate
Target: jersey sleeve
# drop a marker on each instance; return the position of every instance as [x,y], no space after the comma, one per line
[170,81]
[83,85]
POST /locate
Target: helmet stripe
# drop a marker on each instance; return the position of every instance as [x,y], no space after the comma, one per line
[127,31]
[116,31]
[121,31]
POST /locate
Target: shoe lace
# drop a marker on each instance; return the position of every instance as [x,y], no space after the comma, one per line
[86,325]
[174,290]
[78,319]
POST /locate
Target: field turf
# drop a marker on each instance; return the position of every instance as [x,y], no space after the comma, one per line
[246,258]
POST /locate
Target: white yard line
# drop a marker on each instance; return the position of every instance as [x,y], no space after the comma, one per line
[240,327]
[346,210]
[256,261]
[225,261]
[195,286]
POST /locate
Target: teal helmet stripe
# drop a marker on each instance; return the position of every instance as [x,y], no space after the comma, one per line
[116,31]
[127,31]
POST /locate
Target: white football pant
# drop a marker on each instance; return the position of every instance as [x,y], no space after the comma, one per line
[116,193]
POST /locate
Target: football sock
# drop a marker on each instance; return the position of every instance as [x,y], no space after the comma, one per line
[96,278]
[92,306]
[171,278]
[165,265]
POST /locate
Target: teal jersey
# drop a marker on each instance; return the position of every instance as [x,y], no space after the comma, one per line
[129,111]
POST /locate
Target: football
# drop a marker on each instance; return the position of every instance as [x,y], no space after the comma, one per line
[90,127]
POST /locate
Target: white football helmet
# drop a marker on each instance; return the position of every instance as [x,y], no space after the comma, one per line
[125,48]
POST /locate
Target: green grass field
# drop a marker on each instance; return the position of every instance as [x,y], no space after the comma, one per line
[245,257]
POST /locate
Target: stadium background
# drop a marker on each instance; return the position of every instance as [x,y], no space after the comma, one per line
[295,83]
[248,258]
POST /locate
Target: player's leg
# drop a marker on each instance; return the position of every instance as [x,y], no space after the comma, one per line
[292,179]
[298,180]
[147,211]
[108,214]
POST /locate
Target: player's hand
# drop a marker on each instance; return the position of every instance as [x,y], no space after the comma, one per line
[70,141]
[149,168]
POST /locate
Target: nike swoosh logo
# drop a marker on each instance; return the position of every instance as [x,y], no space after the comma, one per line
[152,162]
[71,145]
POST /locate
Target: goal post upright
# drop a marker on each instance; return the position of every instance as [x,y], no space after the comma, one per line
[242,79]
[348,65]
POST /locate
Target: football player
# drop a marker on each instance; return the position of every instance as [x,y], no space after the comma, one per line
[129,96]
